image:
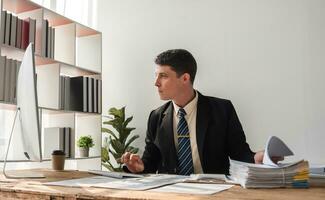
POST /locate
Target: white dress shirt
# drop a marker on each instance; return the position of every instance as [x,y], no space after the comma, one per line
[190,117]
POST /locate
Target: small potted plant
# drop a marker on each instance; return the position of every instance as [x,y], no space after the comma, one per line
[84,143]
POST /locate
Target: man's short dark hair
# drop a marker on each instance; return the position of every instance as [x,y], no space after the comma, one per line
[180,60]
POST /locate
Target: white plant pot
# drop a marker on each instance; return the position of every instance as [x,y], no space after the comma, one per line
[84,152]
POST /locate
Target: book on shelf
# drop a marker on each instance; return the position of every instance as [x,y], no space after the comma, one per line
[48,42]
[7,80]
[13,31]
[44,31]
[90,94]
[52,42]
[95,96]
[76,93]
[8,28]
[32,31]
[67,91]
[99,96]
[85,94]
[19,33]
[13,80]
[3,26]
[24,34]
[2,77]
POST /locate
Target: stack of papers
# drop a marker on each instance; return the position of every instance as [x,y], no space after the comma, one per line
[264,176]
[316,180]
[317,175]
[270,174]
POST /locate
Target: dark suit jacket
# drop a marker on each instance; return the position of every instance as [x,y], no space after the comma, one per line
[219,136]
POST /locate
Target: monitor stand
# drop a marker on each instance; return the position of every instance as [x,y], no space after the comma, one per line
[18,174]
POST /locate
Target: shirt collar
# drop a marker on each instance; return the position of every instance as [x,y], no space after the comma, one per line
[189,107]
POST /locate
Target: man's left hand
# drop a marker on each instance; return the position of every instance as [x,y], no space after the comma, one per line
[259,158]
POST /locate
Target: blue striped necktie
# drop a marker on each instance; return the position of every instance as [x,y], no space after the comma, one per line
[185,162]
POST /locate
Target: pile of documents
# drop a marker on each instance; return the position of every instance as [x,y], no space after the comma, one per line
[271,174]
[153,182]
[264,176]
[317,175]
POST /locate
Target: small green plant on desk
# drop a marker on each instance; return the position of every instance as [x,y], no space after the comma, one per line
[118,141]
[84,143]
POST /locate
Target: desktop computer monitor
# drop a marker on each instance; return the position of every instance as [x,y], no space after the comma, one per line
[27,113]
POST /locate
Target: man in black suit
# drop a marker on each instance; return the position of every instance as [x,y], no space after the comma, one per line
[192,133]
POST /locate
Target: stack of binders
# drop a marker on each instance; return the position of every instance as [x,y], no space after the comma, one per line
[250,175]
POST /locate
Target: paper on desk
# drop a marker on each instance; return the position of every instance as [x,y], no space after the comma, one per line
[82,182]
[193,188]
[207,176]
[115,174]
[275,147]
[152,181]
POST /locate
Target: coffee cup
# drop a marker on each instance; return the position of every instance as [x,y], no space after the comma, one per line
[58,158]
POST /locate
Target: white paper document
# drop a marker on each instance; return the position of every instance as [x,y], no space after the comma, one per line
[275,147]
[152,181]
[82,182]
[115,174]
[207,176]
[193,188]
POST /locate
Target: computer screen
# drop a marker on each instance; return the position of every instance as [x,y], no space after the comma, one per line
[28,106]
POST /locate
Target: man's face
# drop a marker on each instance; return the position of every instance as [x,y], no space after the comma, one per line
[168,84]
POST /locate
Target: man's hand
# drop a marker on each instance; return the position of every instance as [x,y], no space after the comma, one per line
[259,158]
[133,162]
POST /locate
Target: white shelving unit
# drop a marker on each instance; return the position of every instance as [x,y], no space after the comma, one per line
[77,52]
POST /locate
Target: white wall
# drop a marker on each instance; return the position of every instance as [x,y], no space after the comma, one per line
[266,56]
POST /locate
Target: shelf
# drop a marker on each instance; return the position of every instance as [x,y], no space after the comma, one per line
[47,160]
[17,54]
[12,106]
[55,19]
[19,6]
[77,52]
[82,30]
[7,106]
[59,111]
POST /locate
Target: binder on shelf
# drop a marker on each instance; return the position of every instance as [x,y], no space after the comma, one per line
[48,42]
[67,93]
[25,34]
[2,77]
[3,26]
[13,80]
[18,63]
[44,32]
[61,92]
[67,141]
[7,80]
[76,93]
[85,94]
[99,96]
[95,95]
[13,31]
[90,94]
[52,42]
[19,33]
[32,31]
[8,28]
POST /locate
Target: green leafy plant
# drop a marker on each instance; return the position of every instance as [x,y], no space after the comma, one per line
[85,141]
[118,141]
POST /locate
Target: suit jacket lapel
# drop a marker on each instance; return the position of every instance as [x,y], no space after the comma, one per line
[166,136]
[202,121]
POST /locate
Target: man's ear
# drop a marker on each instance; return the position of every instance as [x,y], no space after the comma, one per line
[186,77]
